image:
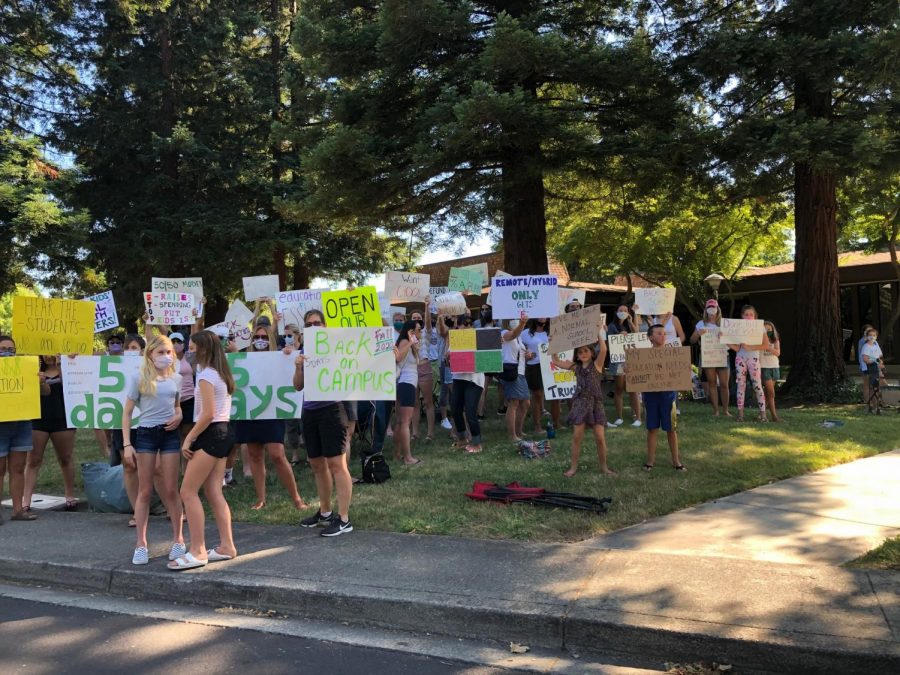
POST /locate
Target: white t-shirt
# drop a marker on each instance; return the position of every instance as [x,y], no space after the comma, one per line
[533,344]
[407,370]
[155,410]
[477,378]
[222,412]
[872,350]
[512,351]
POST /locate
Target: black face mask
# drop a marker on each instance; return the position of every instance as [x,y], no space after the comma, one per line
[448,322]
[487,317]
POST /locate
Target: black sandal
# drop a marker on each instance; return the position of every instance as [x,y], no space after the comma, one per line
[648,467]
[680,467]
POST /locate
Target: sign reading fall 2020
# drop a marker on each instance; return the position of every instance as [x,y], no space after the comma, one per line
[52,326]
[349,364]
[20,394]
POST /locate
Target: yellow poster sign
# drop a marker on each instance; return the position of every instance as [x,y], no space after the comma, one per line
[20,389]
[52,325]
[358,308]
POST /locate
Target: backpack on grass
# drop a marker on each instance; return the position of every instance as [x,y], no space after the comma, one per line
[375,468]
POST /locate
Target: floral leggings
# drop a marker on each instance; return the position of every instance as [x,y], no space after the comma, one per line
[742,367]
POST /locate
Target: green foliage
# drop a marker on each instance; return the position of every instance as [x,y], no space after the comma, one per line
[884,557]
[6,306]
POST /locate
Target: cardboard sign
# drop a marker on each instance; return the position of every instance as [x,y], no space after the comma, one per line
[94,390]
[713,354]
[352,309]
[105,315]
[237,323]
[742,331]
[567,294]
[559,384]
[257,288]
[576,329]
[349,364]
[406,286]
[465,280]
[537,296]
[293,306]
[658,369]
[20,389]
[619,343]
[654,301]
[475,350]
[52,326]
[264,386]
[170,308]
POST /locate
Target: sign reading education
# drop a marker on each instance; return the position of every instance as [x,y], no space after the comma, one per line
[658,369]
[741,331]
[94,389]
[537,296]
[20,389]
[105,315]
[170,308]
[406,286]
[713,354]
[264,386]
[654,301]
[349,364]
[293,306]
[576,329]
[52,325]
[352,309]
[257,288]
[475,350]
[559,384]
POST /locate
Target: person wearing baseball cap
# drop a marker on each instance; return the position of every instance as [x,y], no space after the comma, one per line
[716,375]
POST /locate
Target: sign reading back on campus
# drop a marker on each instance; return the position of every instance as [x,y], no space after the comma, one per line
[654,301]
[537,296]
[658,369]
[349,364]
[352,309]
[52,325]
[20,395]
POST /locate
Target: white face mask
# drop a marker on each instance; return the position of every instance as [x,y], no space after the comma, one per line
[513,324]
[711,311]
[622,315]
[288,339]
[261,345]
[162,362]
[870,338]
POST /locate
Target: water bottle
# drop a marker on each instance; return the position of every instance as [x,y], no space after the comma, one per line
[551,432]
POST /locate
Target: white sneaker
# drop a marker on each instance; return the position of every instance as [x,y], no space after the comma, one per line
[445,423]
[141,556]
[619,422]
[610,425]
[177,551]
[636,423]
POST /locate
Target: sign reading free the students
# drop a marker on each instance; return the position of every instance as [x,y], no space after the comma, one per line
[349,364]
[537,296]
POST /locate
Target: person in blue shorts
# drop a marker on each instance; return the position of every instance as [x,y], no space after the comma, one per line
[659,407]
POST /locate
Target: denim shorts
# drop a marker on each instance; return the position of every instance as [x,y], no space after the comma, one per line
[156,439]
[15,437]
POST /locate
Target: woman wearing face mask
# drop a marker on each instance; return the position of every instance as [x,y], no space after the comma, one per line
[534,335]
[769,366]
[406,350]
[716,377]
[425,387]
[747,362]
[261,436]
[293,340]
[52,426]
[623,324]
[155,391]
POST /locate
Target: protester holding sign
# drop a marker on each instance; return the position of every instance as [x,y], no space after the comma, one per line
[769,366]
[436,337]
[659,407]
[623,324]
[587,403]
[747,362]
[464,399]
[155,391]
[515,388]
[716,373]
[406,350]
[324,430]
[15,443]
[425,387]
[53,426]
[206,448]
[535,334]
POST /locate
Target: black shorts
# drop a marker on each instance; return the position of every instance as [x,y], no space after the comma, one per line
[51,426]
[259,431]
[116,446]
[216,440]
[533,377]
[187,411]
[406,395]
[324,431]
[350,411]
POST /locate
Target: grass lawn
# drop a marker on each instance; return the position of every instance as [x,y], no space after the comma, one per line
[885,557]
[722,458]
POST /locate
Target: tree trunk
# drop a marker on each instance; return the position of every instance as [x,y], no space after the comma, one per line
[524,223]
[300,273]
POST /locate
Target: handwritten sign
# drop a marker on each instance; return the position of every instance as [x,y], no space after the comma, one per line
[237,324]
[257,288]
[406,286]
[52,325]
[293,305]
[566,295]
[654,301]
[559,384]
[465,280]
[349,364]
[192,285]
[20,394]
[105,316]
[537,296]
[658,369]
[482,269]
[451,304]
[352,309]
[94,390]
[475,350]
[621,342]
[264,386]
[738,331]
[169,308]
[713,354]
[576,329]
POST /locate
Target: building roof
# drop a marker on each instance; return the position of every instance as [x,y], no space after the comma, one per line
[440,271]
[854,267]
[849,259]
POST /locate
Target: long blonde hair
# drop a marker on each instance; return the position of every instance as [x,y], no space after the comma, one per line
[149,373]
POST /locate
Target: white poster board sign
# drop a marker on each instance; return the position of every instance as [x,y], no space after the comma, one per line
[713,354]
[237,323]
[619,342]
[738,331]
[192,285]
[257,288]
[264,386]
[559,384]
[165,308]
[536,295]
[349,364]
[105,315]
[654,301]
[94,389]
[293,306]
[406,286]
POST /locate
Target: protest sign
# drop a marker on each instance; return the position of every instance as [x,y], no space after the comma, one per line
[566,295]
[537,296]
[20,392]
[658,369]
[387,310]
[482,269]
[52,326]
[576,329]
[293,306]
[621,342]
[257,288]
[352,309]
[559,384]
[349,364]
[465,280]
[697,391]
[169,308]
[105,316]
[192,285]
[654,301]
[237,323]
[475,350]
[435,291]
[741,331]
[264,386]
[713,354]
[94,389]
[406,286]
[451,304]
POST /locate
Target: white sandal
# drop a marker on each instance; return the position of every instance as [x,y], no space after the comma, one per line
[214,556]
[186,562]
